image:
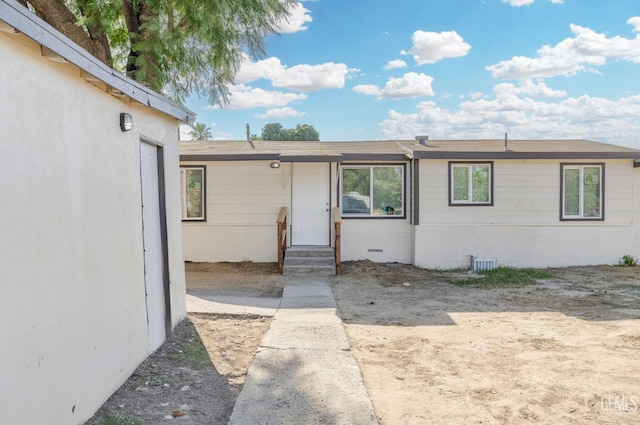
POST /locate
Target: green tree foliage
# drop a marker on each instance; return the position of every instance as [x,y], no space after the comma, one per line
[273,131]
[302,132]
[200,131]
[387,190]
[176,47]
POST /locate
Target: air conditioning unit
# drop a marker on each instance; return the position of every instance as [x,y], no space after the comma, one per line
[479,264]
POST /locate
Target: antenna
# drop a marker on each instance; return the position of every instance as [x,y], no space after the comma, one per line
[249,137]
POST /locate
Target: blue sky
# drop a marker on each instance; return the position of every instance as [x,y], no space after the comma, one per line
[469,69]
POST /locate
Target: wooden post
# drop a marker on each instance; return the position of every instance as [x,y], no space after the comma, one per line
[282,237]
[337,220]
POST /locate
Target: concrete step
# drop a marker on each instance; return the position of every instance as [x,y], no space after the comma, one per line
[288,270]
[310,251]
[309,260]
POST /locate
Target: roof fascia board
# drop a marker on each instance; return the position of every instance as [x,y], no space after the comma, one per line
[375,157]
[227,157]
[310,158]
[38,30]
[524,155]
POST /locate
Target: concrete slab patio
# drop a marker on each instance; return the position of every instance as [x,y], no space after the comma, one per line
[304,371]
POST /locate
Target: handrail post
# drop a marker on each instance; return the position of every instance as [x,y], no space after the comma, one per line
[282,237]
[337,220]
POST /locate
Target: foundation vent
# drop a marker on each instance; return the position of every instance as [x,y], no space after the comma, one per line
[479,264]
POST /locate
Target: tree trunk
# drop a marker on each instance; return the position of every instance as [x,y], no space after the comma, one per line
[60,17]
[135,15]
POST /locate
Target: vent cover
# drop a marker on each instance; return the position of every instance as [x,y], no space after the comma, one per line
[479,264]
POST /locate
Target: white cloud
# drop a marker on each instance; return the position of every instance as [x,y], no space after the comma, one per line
[635,23]
[367,89]
[249,71]
[518,3]
[594,118]
[527,87]
[222,136]
[410,84]
[430,47]
[313,77]
[299,77]
[246,97]
[395,64]
[582,52]
[296,22]
[280,113]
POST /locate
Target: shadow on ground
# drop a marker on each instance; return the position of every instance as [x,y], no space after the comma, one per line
[178,382]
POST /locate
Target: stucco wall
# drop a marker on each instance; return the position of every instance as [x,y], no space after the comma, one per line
[72,313]
[523,226]
[242,205]
[379,240]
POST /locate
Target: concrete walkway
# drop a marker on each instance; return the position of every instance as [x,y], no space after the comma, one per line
[304,371]
[204,302]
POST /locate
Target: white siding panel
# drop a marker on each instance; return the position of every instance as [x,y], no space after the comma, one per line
[523,227]
[243,202]
[206,243]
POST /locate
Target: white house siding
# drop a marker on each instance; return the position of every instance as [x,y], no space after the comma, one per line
[379,240]
[522,228]
[243,201]
[72,310]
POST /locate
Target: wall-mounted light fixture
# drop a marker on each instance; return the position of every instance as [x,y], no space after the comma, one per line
[126,121]
[275,164]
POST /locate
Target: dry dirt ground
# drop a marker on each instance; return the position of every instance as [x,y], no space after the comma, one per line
[562,351]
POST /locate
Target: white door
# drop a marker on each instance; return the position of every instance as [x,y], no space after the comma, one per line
[153,246]
[310,207]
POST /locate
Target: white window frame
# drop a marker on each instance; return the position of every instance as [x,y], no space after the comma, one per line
[469,201]
[183,192]
[370,214]
[580,215]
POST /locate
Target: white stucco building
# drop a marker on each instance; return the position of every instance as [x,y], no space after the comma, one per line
[90,241]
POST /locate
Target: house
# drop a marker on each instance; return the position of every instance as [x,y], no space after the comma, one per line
[431,203]
[90,247]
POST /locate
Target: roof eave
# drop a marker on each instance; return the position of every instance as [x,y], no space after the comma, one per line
[524,155]
[229,157]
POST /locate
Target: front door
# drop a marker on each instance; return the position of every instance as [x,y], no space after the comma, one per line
[310,208]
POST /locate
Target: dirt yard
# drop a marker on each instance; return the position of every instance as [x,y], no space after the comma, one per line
[561,351]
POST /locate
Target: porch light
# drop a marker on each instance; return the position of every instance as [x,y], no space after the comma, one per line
[126,121]
[275,164]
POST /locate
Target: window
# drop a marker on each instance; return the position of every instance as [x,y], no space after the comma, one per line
[372,191]
[582,186]
[192,185]
[471,183]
